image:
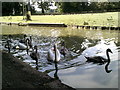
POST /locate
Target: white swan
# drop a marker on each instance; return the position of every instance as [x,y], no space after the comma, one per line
[22,46]
[25,43]
[52,52]
[15,44]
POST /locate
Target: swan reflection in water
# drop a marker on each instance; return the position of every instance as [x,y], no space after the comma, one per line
[108,62]
[56,70]
[101,60]
[56,62]
[96,59]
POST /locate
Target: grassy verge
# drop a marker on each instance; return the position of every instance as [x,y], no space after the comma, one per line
[92,19]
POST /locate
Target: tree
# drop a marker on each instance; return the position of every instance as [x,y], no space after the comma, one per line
[113,6]
[93,6]
[28,15]
[11,8]
[78,7]
[43,5]
[105,6]
[74,7]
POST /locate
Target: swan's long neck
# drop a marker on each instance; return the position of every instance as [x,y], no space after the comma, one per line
[56,52]
[24,37]
[108,57]
[8,42]
[108,62]
[27,41]
[31,38]
[10,37]
[36,49]
[36,57]
[27,46]
[55,48]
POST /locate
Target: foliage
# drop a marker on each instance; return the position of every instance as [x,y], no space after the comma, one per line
[14,8]
[74,7]
[43,6]
[11,8]
[77,7]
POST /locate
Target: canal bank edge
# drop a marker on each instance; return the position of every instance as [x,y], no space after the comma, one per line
[17,74]
[61,25]
[35,24]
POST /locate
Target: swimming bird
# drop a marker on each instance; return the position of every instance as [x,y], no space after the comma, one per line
[99,59]
[15,44]
[35,56]
[29,45]
[8,46]
[29,42]
[21,46]
[10,38]
[53,54]
[25,43]
[23,40]
[63,50]
[96,59]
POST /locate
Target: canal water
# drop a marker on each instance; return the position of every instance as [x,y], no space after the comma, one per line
[72,69]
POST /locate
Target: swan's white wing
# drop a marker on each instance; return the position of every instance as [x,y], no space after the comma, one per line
[51,55]
[58,55]
[22,46]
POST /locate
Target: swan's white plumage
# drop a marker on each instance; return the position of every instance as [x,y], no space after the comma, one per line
[51,55]
[19,45]
[22,46]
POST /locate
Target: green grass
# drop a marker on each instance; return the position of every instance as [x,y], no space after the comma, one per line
[93,19]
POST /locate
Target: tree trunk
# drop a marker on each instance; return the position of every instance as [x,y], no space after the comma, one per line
[28,16]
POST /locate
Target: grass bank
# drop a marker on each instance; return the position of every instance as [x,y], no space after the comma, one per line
[91,19]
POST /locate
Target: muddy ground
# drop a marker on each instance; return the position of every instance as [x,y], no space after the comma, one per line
[17,74]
